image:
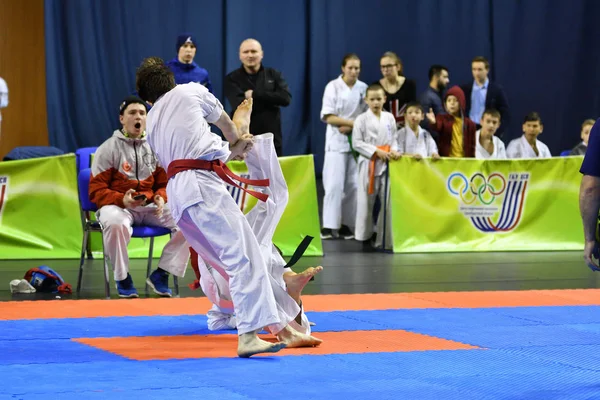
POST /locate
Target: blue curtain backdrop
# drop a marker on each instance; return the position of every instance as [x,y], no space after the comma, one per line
[543,52]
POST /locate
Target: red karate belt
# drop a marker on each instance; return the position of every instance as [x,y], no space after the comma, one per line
[219,167]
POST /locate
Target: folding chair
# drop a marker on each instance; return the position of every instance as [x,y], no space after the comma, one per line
[139,231]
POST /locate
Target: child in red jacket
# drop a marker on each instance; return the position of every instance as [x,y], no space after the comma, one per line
[456,131]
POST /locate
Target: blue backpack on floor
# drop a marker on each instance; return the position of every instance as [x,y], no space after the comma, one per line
[45,279]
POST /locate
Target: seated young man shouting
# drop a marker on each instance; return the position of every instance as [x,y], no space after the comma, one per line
[129,187]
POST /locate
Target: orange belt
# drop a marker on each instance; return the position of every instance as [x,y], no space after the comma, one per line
[177,166]
[385,147]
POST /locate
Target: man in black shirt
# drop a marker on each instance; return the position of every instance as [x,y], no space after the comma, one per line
[265,86]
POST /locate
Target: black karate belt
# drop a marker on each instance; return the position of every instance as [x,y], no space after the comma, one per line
[299,252]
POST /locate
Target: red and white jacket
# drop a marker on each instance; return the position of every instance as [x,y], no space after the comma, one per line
[123,163]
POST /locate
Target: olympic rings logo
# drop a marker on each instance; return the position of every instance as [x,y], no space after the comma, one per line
[478,187]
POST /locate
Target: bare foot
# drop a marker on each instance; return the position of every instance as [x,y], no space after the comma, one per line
[296,282]
[292,338]
[241,116]
[250,344]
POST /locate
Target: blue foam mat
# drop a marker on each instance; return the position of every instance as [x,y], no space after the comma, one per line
[450,374]
[415,319]
[532,353]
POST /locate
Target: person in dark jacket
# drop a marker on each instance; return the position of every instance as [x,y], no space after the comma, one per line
[183,66]
[264,85]
[581,148]
[481,94]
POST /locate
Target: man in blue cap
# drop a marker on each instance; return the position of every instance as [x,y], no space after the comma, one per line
[183,66]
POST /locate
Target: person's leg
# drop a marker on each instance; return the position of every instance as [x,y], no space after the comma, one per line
[364,205]
[384,213]
[220,319]
[334,177]
[117,231]
[262,163]
[348,209]
[264,218]
[175,254]
[221,235]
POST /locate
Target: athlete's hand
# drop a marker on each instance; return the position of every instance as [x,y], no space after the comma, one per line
[129,202]
[160,205]
[589,252]
[345,130]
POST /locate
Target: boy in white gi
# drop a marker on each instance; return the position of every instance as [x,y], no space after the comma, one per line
[373,136]
[263,218]
[412,140]
[202,207]
[488,145]
[342,103]
[527,146]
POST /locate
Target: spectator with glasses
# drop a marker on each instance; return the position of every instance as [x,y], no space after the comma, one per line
[399,90]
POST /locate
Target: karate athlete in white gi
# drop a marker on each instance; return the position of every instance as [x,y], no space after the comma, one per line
[207,215]
[374,138]
[489,146]
[342,103]
[527,146]
[263,218]
[412,140]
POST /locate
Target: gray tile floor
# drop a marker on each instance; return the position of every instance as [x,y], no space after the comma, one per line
[348,270]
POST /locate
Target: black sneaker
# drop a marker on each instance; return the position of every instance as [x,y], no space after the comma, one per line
[367,247]
[345,233]
[326,233]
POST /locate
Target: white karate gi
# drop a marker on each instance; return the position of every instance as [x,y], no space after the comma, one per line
[422,143]
[3,95]
[520,148]
[263,218]
[368,133]
[209,218]
[339,167]
[499,152]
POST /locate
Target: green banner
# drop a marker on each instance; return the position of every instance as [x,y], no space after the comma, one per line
[466,205]
[39,209]
[301,217]
[40,217]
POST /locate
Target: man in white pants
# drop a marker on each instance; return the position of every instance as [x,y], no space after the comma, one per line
[263,218]
[129,187]
[211,221]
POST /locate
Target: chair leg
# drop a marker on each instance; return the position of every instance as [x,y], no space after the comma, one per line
[105,261]
[176,285]
[149,267]
[86,234]
[90,256]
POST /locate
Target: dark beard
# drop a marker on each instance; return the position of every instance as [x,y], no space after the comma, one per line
[441,87]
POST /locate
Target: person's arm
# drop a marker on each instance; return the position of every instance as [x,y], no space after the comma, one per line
[3,93]
[212,111]
[328,110]
[589,196]
[435,121]
[337,121]
[226,125]
[233,91]
[281,96]
[160,182]
[589,206]
[103,170]
[358,139]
